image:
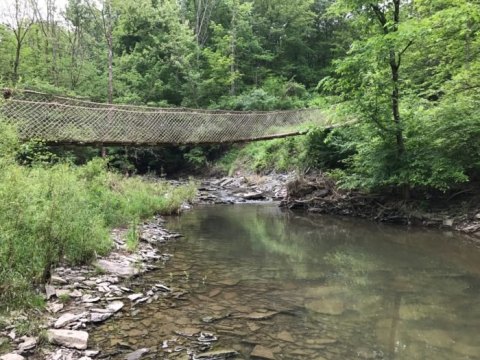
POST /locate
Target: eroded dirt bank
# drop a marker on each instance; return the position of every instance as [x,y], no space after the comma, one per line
[317,193]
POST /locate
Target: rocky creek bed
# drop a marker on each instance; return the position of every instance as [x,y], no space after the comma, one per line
[80,298]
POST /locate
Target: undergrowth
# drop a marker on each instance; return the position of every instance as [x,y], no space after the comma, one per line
[52,214]
[317,149]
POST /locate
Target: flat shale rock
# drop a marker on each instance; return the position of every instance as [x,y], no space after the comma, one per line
[117,268]
[100,317]
[68,338]
[254,196]
[50,291]
[12,357]
[115,306]
[66,319]
[217,354]
[327,306]
[262,352]
[285,336]
[57,280]
[29,343]
[137,354]
[260,315]
[54,307]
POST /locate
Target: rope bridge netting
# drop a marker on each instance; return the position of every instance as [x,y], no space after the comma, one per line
[69,120]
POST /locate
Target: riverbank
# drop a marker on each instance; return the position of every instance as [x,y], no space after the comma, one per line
[79,297]
[317,193]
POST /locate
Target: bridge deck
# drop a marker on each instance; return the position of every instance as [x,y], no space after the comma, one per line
[73,121]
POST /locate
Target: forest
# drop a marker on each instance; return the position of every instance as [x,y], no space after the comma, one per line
[406,72]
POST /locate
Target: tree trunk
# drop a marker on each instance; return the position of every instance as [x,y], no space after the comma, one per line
[233,45]
[110,67]
[16,63]
[395,67]
[396,105]
[395,59]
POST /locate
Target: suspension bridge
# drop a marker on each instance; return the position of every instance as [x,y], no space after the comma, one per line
[67,120]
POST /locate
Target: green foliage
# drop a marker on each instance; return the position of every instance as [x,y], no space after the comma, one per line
[432,46]
[264,156]
[196,157]
[62,213]
[132,236]
[320,149]
[171,52]
[35,152]
[64,298]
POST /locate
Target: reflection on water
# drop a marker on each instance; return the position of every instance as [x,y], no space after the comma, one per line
[292,286]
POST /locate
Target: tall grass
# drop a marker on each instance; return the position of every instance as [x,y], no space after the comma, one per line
[63,214]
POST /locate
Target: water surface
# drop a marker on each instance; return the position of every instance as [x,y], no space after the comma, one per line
[300,286]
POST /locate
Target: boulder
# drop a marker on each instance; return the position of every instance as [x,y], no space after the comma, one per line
[327,306]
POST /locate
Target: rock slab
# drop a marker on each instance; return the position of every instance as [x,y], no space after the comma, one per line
[261,352]
[217,354]
[99,317]
[120,269]
[68,338]
[12,357]
[66,319]
[138,354]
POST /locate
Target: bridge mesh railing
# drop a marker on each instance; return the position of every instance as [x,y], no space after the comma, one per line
[70,120]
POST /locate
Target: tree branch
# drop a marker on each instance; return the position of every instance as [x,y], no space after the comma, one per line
[380,16]
[410,43]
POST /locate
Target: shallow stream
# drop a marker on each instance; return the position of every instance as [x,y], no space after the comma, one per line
[262,281]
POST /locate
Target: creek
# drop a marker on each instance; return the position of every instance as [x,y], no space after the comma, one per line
[268,283]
